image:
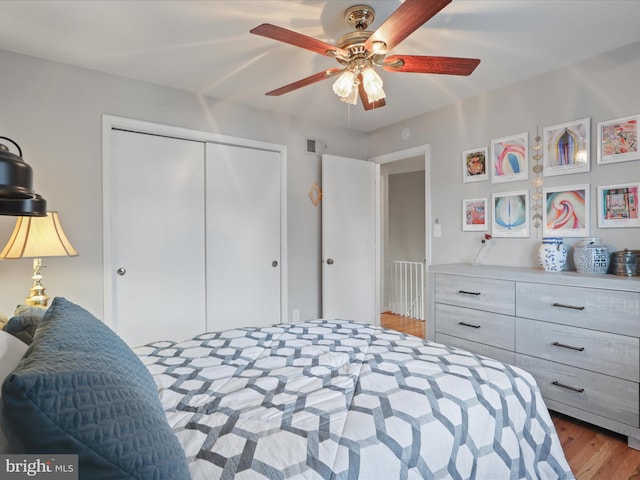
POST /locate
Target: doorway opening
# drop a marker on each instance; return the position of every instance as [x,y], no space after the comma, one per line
[404,247]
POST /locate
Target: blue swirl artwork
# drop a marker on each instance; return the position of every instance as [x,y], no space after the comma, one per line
[514,163]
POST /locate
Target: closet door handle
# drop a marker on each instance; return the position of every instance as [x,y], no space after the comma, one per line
[570,347]
[465,292]
[465,324]
[561,305]
[568,387]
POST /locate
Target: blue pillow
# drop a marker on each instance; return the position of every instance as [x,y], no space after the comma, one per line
[24,326]
[80,389]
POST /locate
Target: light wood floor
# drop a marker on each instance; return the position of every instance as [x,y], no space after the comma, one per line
[593,453]
[403,324]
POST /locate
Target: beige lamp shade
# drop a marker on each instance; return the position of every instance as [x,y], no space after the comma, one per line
[38,237]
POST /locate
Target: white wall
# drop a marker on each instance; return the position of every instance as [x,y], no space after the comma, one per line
[404,222]
[54,112]
[406,232]
[603,88]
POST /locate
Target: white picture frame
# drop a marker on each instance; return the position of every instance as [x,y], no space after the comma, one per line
[475,215]
[510,214]
[618,205]
[566,211]
[475,165]
[566,148]
[618,140]
[510,158]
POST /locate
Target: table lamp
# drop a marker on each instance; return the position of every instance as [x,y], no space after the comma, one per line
[37,237]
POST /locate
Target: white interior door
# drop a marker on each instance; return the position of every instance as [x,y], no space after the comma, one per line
[157,237]
[243,236]
[348,239]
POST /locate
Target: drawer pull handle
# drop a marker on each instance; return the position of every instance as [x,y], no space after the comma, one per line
[561,305]
[464,292]
[571,347]
[568,387]
[465,324]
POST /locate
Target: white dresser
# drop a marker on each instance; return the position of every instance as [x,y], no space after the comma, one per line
[579,335]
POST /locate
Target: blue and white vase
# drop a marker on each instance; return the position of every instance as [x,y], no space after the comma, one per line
[591,256]
[552,254]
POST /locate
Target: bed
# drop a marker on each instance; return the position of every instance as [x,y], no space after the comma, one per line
[317,399]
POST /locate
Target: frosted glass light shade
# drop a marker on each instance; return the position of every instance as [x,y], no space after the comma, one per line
[372,85]
[352,98]
[345,84]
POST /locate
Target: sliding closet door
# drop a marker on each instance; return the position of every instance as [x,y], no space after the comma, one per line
[243,236]
[157,237]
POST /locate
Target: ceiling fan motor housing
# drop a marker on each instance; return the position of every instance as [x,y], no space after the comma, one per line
[359,17]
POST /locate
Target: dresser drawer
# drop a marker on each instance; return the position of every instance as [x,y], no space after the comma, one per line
[602,352]
[499,354]
[598,309]
[484,327]
[481,293]
[592,392]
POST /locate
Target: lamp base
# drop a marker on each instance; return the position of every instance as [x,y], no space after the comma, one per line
[37,300]
[37,297]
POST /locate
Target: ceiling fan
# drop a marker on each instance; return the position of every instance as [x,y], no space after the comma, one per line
[361,51]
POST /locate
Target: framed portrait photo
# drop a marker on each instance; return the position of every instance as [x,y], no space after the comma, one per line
[566,148]
[474,215]
[618,140]
[510,214]
[510,158]
[565,211]
[618,206]
[474,165]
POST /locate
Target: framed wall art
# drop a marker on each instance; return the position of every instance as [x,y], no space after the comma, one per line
[474,165]
[510,214]
[565,211]
[618,206]
[566,148]
[474,215]
[510,158]
[618,140]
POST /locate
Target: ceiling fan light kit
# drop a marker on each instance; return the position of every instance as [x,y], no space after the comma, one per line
[361,51]
[344,84]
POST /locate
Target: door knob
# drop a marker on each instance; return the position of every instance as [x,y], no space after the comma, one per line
[330,261]
[274,263]
[121,271]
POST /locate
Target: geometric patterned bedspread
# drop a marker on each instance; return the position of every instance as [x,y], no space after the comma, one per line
[343,400]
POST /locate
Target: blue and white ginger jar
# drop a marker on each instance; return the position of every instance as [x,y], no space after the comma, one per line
[552,254]
[591,256]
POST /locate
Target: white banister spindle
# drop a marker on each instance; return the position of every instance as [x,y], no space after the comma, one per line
[408,287]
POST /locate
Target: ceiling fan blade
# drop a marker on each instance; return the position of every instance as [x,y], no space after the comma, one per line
[427,64]
[365,98]
[404,21]
[305,81]
[297,39]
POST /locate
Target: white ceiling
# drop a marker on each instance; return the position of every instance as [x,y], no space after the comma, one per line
[204,46]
